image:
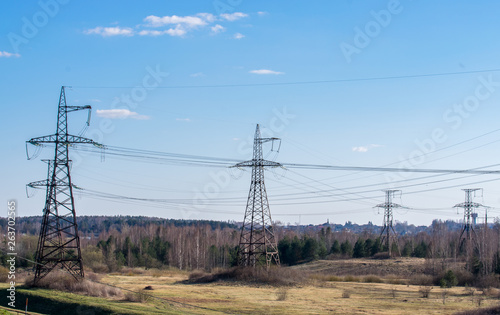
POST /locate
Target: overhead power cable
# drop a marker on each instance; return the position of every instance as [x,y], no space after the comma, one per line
[395,77]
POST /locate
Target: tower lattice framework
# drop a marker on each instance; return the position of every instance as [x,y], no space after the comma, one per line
[257,239]
[468,235]
[388,235]
[58,242]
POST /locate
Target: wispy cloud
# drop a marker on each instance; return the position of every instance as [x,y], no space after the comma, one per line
[233,16]
[173,25]
[95,100]
[238,36]
[171,31]
[183,119]
[120,114]
[217,28]
[8,54]
[110,31]
[190,21]
[262,13]
[363,149]
[265,71]
[197,74]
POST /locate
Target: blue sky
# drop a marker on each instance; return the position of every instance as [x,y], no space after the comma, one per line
[174,60]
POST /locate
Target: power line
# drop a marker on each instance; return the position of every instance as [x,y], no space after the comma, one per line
[396,77]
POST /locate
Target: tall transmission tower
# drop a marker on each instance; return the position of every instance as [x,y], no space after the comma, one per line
[388,234]
[257,240]
[468,234]
[58,242]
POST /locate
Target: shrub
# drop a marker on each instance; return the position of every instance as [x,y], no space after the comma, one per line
[463,277]
[63,281]
[393,279]
[350,278]
[425,291]
[422,280]
[469,290]
[489,281]
[140,297]
[274,276]
[449,280]
[372,279]
[346,294]
[393,292]
[281,294]
[382,255]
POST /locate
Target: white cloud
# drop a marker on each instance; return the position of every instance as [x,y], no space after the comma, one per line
[120,114]
[217,28]
[265,71]
[197,74]
[363,149]
[172,25]
[233,16]
[238,36]
[262,13]
[171,31]
[360,149]
[8,54]
[183,119]
[95,100]
[110,31]
[190,21]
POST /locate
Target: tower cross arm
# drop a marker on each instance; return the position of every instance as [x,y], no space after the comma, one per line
[45,183]
[40,183]
[69,139]
[392,205]
[263,140]
[262,163]
[469,205]
[76,108]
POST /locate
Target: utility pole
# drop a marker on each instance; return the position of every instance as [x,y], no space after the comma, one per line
[468,236]
[388,234]
[257,240]
[468,233]
[58,242]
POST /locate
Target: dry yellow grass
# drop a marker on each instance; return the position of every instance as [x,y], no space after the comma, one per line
[319,297]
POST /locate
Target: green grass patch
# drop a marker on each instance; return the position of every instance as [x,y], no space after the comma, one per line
[47,301]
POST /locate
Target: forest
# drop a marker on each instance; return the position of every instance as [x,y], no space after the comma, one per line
[110,243]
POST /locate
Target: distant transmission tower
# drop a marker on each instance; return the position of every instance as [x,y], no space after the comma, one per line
[468,234]
[388,234]
[257,241]
[58,243]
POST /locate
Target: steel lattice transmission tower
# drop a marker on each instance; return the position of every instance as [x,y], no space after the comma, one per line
[468,234]
[257,240]
[388,234]
[58,242]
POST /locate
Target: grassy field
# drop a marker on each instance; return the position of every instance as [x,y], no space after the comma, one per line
[172,295]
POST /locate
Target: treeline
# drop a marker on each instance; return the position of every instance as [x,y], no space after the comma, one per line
[295,250]
[110,243]
[185,247]
[94,225]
